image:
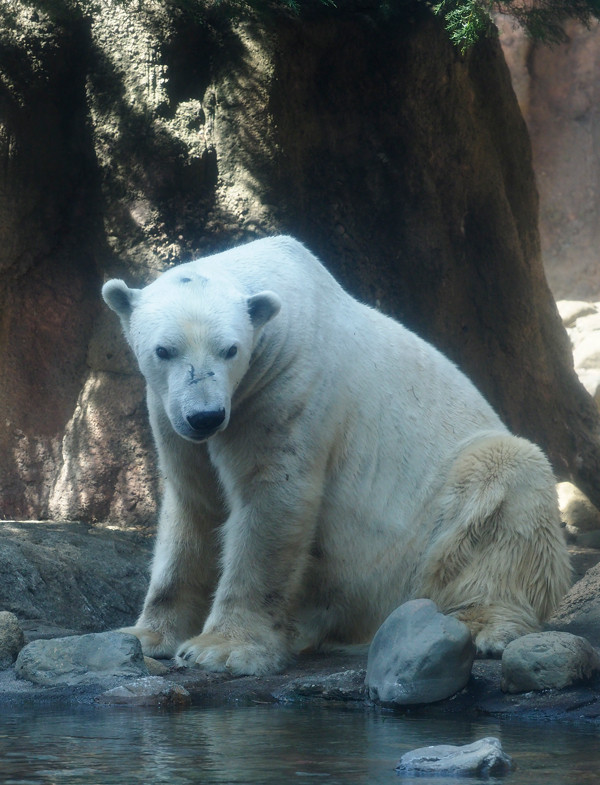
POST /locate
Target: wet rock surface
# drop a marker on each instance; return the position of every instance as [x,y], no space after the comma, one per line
[148,691]
[310,680]
[482,758]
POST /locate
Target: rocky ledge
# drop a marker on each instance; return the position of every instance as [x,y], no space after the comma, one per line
[323,679]
[65,583]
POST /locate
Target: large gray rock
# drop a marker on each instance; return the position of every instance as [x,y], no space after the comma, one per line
[81,659]
[483,758]
[79,577]
[418,655]
[12,639]
[544,660]
[579,611]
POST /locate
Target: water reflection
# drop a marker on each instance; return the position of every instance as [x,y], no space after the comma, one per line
[264,745]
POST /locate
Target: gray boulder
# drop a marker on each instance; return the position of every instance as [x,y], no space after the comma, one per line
[12,639]
[579,611]
[418,655]
[482,758]
[545,660]
[79,577]
[81,659]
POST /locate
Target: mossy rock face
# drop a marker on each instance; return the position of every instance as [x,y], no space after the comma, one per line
[133,139]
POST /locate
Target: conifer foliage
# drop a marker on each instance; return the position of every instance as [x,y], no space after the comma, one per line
[468,20]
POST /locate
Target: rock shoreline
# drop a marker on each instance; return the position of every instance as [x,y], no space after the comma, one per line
[319,680]
[119,559]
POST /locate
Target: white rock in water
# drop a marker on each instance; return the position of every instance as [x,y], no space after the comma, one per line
[483,758]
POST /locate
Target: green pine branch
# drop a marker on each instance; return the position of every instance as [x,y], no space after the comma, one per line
[543,20]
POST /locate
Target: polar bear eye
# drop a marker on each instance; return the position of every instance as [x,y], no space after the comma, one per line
[231,352]
[163,353]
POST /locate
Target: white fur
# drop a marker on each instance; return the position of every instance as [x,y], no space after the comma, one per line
[355,468]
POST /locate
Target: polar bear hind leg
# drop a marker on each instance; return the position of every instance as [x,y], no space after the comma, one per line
[498,560]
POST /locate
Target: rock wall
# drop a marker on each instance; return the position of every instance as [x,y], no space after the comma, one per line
[142,136]
[559,95]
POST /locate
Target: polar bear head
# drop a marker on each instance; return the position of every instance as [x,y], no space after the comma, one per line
[193,338]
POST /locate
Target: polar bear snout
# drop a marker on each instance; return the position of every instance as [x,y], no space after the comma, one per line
[206,423]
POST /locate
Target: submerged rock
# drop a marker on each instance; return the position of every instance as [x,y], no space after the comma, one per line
[155,668]
[482,758]
[12,639]
[418,655]
[81,659]
[544,660]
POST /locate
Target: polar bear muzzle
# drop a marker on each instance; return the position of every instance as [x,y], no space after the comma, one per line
[206,423]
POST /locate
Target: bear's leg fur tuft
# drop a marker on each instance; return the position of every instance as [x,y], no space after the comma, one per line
[498,560]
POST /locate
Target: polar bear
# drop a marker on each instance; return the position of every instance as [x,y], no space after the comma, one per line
[322,465]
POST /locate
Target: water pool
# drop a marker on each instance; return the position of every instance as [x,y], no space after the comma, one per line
[267,745]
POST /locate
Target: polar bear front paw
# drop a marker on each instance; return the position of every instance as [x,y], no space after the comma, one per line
[215,652]
[154,644]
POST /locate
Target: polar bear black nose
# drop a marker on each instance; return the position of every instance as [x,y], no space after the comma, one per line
[206,423]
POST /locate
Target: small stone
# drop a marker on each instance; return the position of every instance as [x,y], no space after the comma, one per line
[547,660]
[12,639]
[418,655]
[81,659]
[155,668]
[149,691]
[483,758]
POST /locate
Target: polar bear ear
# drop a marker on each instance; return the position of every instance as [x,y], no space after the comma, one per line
[262,307]
[118,296]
